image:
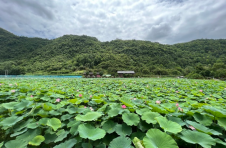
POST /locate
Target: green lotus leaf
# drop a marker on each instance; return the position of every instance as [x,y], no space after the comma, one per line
[149,117]
[74,127]
[33,125]
[43,121]
[21,125]
[196,137]
[16,144]
[1,144]
[90,116]
[29,135]
[24,103]
[222,122]
[54,123]
[47,107]
[42,113]
[157,139]
[169,126]
[90,132]
[55,113]
[61,135]
[67,144]
[9,105]
[37,140]
[177,120]
[66,117]
[71,109]
[101,146]
[18,133]
[120,142]
[143,110]
[114,112]
[109,126]
[143,126]
[127,102]
[86,145]
[123,129]
[157,108]
[203,129]
[215,111]
[220,142]
[131,119]
[10,121]
[203,119]
[49,138]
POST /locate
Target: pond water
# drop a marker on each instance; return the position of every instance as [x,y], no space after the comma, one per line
[38,76]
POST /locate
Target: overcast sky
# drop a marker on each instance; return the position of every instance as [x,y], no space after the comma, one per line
[164,21]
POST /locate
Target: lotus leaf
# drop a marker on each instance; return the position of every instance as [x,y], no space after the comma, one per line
[90,116]
[157,139]
[149,117]
[169,126]
[222,122]
[109,126]
[10,121]
[120,142]
[123,129]
[131,119]
[67,144]
[203,119]
[16,144]
[196,137]
[202,128]
[54,123]
[37,140]
[90,132]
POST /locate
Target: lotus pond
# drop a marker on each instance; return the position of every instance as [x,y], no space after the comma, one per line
[114,113]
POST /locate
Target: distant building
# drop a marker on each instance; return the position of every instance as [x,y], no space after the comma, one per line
[120,73]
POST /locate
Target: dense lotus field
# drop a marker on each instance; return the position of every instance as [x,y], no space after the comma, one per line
[114,113]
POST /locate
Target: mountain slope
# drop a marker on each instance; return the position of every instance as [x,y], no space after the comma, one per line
[71,53]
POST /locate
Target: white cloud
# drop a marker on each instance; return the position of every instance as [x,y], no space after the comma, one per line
[164,21]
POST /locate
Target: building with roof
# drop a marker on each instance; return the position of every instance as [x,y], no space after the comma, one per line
[121,73]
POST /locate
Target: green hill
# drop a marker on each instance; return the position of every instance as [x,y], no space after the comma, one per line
[71,53]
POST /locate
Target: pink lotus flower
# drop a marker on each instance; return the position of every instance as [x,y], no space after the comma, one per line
[191,127]
[177,91]
[90,96]
[85,107]
[158,102]
[91,108]
[31,96]
[123,106]
[134,98]
[58,100]
[201,90]
[177,104]
[77,90]
[0,84]
[13,91]
[80,95]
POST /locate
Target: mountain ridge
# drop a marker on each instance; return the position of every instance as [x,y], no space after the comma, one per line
[71,53]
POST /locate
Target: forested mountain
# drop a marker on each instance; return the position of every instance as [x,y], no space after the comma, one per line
[72,53]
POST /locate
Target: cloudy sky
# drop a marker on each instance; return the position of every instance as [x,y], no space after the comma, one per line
[164,21]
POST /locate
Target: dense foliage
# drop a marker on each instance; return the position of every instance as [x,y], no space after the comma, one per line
[71,53]
[114,113]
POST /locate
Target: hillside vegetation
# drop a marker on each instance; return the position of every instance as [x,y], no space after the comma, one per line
[71,53]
